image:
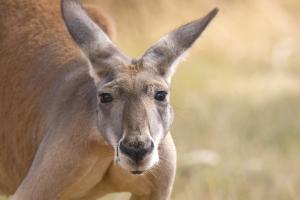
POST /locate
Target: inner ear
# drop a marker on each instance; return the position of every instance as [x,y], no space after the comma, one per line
[104,21]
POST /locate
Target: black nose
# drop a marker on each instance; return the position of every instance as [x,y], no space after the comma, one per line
[136,150]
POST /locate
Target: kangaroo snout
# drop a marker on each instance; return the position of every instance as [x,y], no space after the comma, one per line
[136,149]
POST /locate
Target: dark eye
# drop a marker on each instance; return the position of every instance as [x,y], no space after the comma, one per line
[160,95]
[106,98]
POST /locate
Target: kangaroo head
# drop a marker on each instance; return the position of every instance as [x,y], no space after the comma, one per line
[133,108]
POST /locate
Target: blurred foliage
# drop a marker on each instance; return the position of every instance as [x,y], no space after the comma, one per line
[237,95]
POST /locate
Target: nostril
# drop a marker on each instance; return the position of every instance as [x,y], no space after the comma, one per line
[151,147]
[123,147]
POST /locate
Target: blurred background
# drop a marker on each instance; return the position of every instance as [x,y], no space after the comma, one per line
[236,97]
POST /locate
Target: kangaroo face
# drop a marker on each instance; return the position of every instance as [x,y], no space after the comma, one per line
[134,115]
[133,111]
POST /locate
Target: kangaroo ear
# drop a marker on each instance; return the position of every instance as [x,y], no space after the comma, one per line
[169,50]
[102,54]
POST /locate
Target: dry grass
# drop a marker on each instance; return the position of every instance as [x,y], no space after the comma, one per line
[236,98]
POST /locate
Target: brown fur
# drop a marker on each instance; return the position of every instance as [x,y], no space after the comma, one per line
[39,65]
[33,41]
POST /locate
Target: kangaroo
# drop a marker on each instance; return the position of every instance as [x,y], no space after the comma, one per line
[79,118]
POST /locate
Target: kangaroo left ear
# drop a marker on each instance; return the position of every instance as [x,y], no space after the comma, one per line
[164,56]
[104,56]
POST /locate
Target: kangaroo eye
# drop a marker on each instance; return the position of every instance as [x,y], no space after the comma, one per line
[106,98]
[160,95]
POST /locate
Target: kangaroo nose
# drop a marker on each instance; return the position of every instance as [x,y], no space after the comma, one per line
[136,150]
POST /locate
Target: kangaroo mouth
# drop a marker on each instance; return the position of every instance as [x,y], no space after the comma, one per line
[137,172]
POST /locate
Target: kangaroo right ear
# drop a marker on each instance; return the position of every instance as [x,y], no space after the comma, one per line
[165,54]
[103,55]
